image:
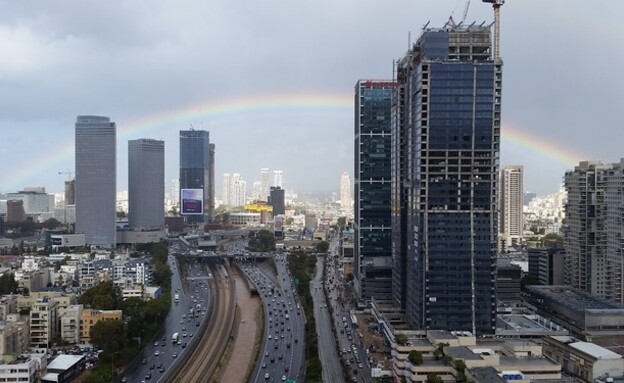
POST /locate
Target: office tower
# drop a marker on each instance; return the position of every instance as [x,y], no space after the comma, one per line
[195,175]
[70,192]
[211,180]
[278,178]
[277,200]
[96,179]
[146,184]
[226,189]
[15,211]
[256,191]
[373,259]
[447,126]
[175,192]
[593,229]
[511,222]
[265,184]
[345,193]
[36,200]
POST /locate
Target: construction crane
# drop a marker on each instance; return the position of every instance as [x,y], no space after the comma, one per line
[496,4]
[466,7]
[68,173]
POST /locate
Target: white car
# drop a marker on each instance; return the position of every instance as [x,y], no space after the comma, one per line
[266,376]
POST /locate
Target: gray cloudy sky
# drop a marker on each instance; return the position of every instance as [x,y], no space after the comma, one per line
[137,60]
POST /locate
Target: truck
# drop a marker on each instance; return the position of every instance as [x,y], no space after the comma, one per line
[176,298]
[175,337]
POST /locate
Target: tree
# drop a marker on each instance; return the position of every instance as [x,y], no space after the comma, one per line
[433,378]
[104,296]
[8,285]
[401,339]
[342,222]
[322,247]
[109,335]
[415,357]
[263,240]
[51,224]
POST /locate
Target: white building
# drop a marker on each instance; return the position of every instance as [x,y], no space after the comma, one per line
[278,178]
[67,240]
[227,188]
[70,323]
[43,319]
[36,201]
[239,191]
[26,369]
[345,193]
[264,184]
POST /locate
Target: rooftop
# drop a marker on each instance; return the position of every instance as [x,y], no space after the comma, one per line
[461,352]
[573,298]
[64,361]
[486,374]
[594,350]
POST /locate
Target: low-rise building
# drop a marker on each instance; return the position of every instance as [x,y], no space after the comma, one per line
[43,322]
[70,323]
[88,318]
[13,338]
[243,219]
[64,368]
[586,360]
[8,305]
[67,240]
[24,369]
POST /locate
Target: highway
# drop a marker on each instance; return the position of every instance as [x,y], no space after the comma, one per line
[332,369]
[148,366]
[282,352]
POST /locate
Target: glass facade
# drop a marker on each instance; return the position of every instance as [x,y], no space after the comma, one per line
[372,248]
[195,169]
[447,169]
[146,184]
[96,180]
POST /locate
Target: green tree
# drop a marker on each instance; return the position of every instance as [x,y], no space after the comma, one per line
[415,357]
[263,240]
[51,224]
[104,296]
[8,285]
[552,239]
[342,223]
[109,335]
[433,378]
[322,247]
[401,339]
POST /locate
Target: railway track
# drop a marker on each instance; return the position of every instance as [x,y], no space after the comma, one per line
[200,365]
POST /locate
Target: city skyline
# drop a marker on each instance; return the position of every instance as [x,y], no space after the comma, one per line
[538,131]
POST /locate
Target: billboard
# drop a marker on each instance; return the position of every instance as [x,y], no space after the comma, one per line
[192,201]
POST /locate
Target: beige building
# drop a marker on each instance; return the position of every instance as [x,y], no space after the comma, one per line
[583,359]
[70,323]
[8,305]
[35,280]
[90,317]
[43,322]
[519,359]
[27,302]
[13,338]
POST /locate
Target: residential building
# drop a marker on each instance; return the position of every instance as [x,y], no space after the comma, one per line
[278,180]
[195,170]
[372,223]
[446,125]
[238,196]
[43,322]
[8,305]
[70,323]
[593,229]
[211,179]
[511,224]
[345,193]
[24,369]
[265,183]
[546,265]
[146,184]
[70,192]
[96,180]
[88,318]
[14,338]
[227,189]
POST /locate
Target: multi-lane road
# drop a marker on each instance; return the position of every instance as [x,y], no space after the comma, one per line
[282,354]
[157,358]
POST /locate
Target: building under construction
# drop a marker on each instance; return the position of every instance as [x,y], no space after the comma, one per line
[445,142]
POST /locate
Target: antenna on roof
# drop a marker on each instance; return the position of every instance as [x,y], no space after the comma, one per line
[426,25]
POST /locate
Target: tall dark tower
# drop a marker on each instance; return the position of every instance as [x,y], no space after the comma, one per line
[446,120]
[195,173]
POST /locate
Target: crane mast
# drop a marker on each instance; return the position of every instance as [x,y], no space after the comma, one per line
[496,4]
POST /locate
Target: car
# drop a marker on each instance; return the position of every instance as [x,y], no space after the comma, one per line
[148,376]
[267,376]
[156,344]
[124,379]
[283,378]
[266,353]
[280,357]
[286,368]
[144,361]
[174,355]
[275,347]
[156,353]
[190,335]
[184,345]
[263,365]
[184,335]
[152,366]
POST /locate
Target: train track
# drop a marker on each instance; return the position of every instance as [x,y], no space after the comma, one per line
[200,365]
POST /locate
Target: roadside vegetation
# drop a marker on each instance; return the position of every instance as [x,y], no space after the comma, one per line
[121,340]
[302,266]
[261,241]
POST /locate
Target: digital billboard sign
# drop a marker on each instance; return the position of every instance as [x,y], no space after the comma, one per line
[192,201]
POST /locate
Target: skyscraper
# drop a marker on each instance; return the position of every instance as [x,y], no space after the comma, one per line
[264,180]
[226,189]
[146,184]
[278,179]
[238,193]
[372,237]
[96,180]
[446,122]
[195,171]
[211,181]
[345,193]
[511,214]
[70,192]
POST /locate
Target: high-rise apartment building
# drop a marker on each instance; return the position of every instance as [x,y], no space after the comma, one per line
[96,180]
[345,193]
[70,192]
[593,229]
[211,180]
[238,196]
[195,171]
[511,222]
[256,191]
[226,189]
[146,184]
[265,183]
[446,131]
[372,225]
[278,180]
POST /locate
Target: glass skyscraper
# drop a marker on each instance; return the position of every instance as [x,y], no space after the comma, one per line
[146,184]
[196,171]
[446,123]
[372,224]
[96,180]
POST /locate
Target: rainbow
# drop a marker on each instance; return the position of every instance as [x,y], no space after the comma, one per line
[325,102]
